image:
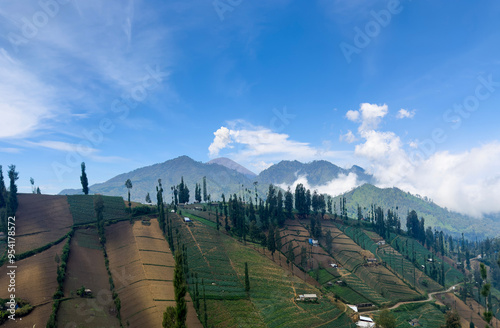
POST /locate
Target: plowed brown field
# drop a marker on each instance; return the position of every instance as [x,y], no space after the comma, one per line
[35,282]
[143,268]
[41,219]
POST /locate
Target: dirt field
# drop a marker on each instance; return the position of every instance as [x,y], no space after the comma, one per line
[35,282]
[86,268]
[466,311]
[41,219]
[143,267]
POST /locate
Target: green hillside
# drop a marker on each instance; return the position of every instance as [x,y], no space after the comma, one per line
[434,215]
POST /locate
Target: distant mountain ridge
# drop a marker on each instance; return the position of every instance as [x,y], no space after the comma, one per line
[223,176]
[230,164]
[317,173]
[221,179]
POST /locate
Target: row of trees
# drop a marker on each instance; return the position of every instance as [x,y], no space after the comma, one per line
[8,199]
[175,317]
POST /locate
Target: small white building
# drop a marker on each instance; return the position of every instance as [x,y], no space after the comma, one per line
[353,307]
[308,298]
[365,322]
[187,220]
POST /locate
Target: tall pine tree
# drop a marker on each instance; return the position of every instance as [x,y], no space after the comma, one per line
[13,176]
[3,191]
[84,180]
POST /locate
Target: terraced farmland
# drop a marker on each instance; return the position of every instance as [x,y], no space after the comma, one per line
[427,315]
[35,282]
[381,282]
[209,261]
[279,308]
[142,267]
[385,253]
[404,244]
[41,219]
[271,301]
[82,208]
[86,268]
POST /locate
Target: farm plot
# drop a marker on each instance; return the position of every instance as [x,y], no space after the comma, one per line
[82,208]
[41,219]
[405,246]
[209,261]
[86,268]
[279,308]
[381,280]
[35,282]
[142,268]
[427,315]
[206,215]
[385,253]
[294,235]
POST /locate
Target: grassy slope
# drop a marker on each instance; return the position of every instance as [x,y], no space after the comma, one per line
[272,292]
[434,215]
[426,313]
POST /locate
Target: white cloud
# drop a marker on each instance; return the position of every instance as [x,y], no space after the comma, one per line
[333,188]
[81,149]
[349,137]
[10,150]
[403,113]
[467,182]
[370,116]
[352,115]
[257,147]
[222,140]
[24,103]
[87,55]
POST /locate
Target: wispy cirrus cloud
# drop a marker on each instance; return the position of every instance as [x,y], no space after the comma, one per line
[25,101]
[87,54]
[81,148]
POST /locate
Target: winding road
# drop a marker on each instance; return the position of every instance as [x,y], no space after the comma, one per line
[431,295]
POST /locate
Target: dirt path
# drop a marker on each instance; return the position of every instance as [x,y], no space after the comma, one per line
[201,252]
[332,320]
[431,296]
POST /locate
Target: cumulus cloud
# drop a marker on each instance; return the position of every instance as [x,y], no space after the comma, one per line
[403,113]
[467,182]
[349,137]
[333,188]
[222,140]
[352,115]
[369,115]
[257,147]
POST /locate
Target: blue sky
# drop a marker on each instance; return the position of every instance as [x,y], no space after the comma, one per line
[409,90]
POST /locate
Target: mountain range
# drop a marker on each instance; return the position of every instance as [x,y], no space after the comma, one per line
[222,174]
[226,176]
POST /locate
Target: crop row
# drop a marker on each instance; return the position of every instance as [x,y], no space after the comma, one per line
[82,208]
